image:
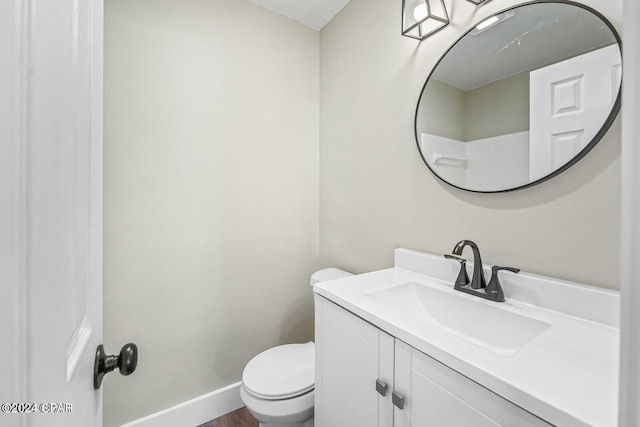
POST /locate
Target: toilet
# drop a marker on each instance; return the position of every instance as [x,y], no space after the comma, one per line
[278,384]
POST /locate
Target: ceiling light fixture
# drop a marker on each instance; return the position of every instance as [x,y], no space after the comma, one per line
[487,23]
[491,22]
[423,18]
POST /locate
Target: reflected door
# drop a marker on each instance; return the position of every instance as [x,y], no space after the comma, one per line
[569,102]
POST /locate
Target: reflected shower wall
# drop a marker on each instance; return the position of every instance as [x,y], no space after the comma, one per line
[490,163]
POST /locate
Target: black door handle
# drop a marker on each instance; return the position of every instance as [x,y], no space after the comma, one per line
[126,363]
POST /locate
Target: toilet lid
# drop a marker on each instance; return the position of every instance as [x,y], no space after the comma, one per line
[281,372]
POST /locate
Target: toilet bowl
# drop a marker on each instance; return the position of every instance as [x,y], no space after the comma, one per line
[278,384]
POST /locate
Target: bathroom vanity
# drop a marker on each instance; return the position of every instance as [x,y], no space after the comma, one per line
[400,347]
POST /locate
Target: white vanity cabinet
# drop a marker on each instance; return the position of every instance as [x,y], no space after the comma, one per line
[438,396]
[351,355]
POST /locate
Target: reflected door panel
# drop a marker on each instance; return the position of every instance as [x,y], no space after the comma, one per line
[568,100]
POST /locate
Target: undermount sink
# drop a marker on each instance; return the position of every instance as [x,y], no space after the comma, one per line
[478,321]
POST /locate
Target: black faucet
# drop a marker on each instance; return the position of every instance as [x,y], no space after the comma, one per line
[477,280]
[493,291]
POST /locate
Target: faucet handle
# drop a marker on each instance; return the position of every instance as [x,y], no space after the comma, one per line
[493,288]
[463,277]
[496,268]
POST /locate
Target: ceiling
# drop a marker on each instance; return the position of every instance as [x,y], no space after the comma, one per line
[536,36]
[312,13]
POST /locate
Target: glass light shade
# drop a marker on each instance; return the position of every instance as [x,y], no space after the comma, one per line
[422,18]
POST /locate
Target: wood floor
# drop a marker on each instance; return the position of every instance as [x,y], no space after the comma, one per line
[239,418]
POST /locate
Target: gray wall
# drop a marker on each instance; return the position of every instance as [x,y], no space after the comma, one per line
[376,194]
[442,111]
[211,193]
[498,108]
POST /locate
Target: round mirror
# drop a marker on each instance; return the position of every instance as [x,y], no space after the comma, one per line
[520,97]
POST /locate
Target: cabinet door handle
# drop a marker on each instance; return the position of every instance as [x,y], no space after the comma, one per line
[381,388]
[397,400]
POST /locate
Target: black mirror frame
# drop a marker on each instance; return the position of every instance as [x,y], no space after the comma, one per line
[598,136]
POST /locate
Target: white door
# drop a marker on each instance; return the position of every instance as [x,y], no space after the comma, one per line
[437,396]
[569,103]
[426,403]
[354,363]
[50,210]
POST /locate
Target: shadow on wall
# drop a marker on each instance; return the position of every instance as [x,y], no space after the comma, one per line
[298,320]
[297,324]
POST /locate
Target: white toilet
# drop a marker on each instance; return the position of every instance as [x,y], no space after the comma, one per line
[277,385]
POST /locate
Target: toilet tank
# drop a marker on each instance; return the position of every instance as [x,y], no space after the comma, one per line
[328,274]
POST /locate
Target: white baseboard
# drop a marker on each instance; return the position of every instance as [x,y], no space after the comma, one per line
[195,411]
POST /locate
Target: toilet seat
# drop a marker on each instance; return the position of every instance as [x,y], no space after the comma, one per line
[286,412]
[281,372]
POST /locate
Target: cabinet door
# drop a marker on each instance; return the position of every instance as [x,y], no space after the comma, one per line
[351,355]
[437,396]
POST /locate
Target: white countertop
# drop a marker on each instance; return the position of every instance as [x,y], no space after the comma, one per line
[568,375]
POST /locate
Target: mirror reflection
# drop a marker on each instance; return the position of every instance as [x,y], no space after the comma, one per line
[520,97]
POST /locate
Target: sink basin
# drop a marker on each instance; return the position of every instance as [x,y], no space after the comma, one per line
[481,322]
